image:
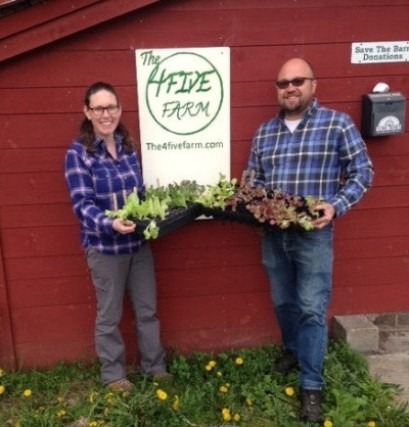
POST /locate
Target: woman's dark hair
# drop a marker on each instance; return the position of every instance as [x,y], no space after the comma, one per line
[87,134]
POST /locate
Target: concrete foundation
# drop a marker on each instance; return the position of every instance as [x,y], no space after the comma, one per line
[358,331]
[384,340]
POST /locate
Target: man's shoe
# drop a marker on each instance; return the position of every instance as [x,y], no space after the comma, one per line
[311,406]
[286,363]
[121,385]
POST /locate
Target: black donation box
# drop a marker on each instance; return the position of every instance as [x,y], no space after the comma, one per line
[383,114]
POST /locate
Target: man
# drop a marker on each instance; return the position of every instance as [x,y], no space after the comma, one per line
[306,150]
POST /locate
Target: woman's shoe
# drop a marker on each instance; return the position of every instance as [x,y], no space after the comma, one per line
[121,385]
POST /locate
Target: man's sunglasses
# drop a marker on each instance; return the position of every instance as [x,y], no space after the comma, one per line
[297,82]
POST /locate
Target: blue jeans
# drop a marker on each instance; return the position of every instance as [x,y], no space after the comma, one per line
[299,267]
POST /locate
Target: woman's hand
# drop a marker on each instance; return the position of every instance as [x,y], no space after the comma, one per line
[327,216]
[123,227]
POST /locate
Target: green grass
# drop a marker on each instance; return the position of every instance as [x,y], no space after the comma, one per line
[204,394]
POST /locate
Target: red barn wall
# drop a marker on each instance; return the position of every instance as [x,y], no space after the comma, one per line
[212,291]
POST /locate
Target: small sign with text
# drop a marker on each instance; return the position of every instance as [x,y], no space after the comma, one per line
[378,52]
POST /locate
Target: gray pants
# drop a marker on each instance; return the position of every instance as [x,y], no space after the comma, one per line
[112,276]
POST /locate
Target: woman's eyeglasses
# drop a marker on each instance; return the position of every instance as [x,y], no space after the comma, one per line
[297,82]
[99,111]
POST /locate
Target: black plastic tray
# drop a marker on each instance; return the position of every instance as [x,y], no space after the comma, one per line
[240,215]
[175,219]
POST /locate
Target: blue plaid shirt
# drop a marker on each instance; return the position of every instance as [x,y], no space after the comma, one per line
[325,157]
[94,182]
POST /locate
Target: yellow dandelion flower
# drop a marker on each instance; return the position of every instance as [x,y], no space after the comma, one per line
[27,392]
[289,391]
[223,389]
[60,399]
[371,424]
[92,397]
[208,367]
[219,374]
[175,403]
[212,363]
[226,414]
[239,361]
[226,417]
[61,413]
[161,395]
[2,389]
[236,418]
[110,398]
[93,424]
[328,423]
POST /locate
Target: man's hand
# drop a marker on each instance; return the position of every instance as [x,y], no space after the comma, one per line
[327,215]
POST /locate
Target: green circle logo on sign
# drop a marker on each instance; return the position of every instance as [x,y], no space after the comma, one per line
[184,93]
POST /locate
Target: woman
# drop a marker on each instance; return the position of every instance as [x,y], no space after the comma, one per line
[101,169]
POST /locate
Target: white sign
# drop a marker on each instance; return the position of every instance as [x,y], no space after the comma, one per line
[184,114]
[377,52]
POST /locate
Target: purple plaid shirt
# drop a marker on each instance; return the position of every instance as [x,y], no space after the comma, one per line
[95,182]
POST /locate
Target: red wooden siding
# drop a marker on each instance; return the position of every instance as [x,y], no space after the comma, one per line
[43,24]
[213,293]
